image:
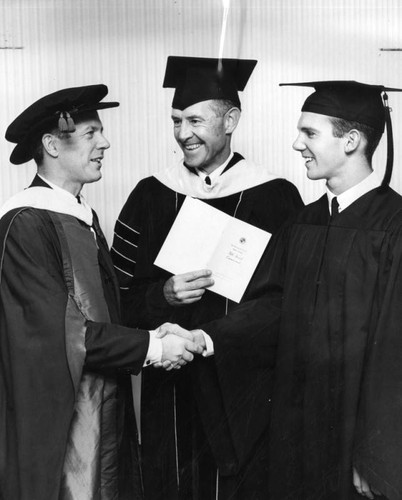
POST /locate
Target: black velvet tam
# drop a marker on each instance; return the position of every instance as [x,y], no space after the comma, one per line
[56,110]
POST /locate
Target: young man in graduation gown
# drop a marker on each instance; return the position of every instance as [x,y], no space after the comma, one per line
[64,359]
[336,430]
[209,418]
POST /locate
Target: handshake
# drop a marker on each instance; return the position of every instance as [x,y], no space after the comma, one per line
[178,345]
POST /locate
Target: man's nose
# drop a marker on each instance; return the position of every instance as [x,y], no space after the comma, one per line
[298,144]
[103,143]
[185,131]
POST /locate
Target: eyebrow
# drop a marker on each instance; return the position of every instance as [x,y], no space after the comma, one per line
[95,127]
[191,117]
[308,129]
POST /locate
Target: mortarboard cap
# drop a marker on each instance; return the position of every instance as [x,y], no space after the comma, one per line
[54,110]
[199,79]
[353,101]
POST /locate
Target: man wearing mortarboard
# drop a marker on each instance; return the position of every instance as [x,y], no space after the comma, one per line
[202,432]
[64,407]
[336,429]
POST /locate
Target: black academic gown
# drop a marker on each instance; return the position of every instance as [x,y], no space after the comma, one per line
[209,395]
[337,398]
[36,390]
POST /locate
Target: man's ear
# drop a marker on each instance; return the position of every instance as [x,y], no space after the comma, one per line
[49,142]
[353,141]
[232,117]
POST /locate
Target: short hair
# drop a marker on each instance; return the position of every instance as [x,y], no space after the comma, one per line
[37,153]
[340,127]
[221,106]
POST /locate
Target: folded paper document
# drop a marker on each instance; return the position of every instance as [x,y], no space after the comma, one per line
[203,237]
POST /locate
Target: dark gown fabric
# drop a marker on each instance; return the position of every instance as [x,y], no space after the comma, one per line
[36,389]
[207,414]
[338,382]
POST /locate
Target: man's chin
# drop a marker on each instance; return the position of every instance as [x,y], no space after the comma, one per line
[95,178]
[191,163]
[313,176]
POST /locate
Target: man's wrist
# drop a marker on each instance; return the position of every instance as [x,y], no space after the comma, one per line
[155,349]
[203,339]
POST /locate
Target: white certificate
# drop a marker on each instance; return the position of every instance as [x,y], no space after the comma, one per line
[203,237]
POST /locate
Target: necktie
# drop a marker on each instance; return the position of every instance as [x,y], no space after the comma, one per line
[334,207]
[207,180]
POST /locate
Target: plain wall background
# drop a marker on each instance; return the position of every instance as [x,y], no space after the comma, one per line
[46,45]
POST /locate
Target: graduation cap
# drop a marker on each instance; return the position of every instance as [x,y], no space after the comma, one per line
[199,79]
[354,101]
[56,110]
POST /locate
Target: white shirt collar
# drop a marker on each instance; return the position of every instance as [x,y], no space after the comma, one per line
[215,174]
[372,181]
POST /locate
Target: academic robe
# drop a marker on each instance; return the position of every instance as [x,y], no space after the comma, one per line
[338,382]
[209,395]
[336,284]
[37,392]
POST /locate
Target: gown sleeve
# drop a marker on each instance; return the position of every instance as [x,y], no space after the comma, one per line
[141,286]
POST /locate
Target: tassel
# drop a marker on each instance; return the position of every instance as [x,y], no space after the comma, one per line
[70,123]
[390,145]
[66,123]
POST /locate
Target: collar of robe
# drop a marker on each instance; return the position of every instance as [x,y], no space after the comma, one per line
[243,175]
[50,199]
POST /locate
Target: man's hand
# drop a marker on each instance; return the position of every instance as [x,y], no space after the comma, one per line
[177,351]
[171,328]
[187,288]
[198,338]
[362,486]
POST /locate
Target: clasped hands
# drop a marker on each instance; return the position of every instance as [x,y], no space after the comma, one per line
[178,345]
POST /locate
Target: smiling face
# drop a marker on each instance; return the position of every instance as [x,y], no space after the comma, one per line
[324,154]
[80,154]
[203,136]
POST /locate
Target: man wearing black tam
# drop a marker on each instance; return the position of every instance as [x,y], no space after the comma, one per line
[336,429]
[64,387]
[214,416]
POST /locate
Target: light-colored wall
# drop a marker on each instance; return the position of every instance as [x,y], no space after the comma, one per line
[46,45]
